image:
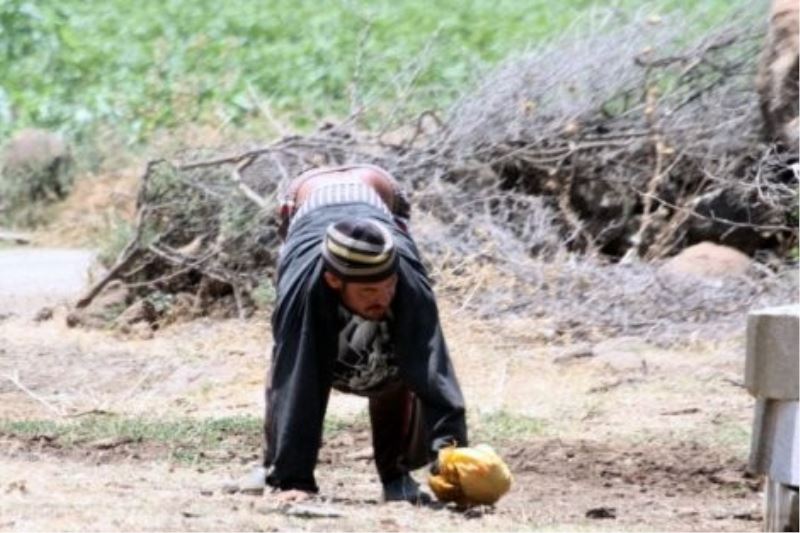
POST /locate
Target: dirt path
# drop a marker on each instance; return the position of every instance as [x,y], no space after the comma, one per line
[620,435]
[33,277]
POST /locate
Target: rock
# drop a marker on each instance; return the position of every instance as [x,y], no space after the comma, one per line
[18,486]
[33,147]
[581,351]
[601,512]
[74,319]
[230,487]
[139,311]
[109,443]
[45,313]
[707,260]
[114,295]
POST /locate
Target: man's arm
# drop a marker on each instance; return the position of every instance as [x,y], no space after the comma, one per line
[299,386]
[424,359]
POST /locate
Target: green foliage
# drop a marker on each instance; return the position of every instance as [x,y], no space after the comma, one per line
[95,427]
[184,439]
[119,234]
[161,301]
[332,425]
[22,214]
[166,188]
[236,218]
[140,67]
[28,428]
[503,425]
[264,294]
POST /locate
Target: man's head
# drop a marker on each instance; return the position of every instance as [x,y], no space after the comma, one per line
[360,264]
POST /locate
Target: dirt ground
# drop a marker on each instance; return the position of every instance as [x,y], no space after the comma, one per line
[626,436]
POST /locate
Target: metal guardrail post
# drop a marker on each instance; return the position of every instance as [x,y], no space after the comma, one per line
[771,376]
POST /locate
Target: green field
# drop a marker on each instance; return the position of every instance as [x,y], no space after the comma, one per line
[140,67]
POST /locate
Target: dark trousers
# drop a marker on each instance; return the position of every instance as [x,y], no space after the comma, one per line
[398,434]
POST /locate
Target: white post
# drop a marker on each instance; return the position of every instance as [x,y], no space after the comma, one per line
[771,375]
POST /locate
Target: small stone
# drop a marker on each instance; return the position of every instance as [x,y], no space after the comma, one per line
[73,319]
[110,442]
[230,488]
[139,311]
[18,486]
[581,351]
[601,513]
[45,313]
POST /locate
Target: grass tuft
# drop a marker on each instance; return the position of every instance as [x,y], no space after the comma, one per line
[504,425]
[183,439]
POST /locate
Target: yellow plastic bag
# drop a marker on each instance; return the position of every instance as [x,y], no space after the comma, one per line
[470,476]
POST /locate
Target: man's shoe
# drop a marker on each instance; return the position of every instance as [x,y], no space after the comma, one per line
[252,483]
[405,489]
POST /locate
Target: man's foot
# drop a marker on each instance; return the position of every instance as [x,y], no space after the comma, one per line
[254,483]
[405,489]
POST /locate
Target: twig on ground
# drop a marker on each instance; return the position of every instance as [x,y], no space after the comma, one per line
[14,379]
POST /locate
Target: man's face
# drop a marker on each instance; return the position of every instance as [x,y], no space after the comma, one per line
[368,300]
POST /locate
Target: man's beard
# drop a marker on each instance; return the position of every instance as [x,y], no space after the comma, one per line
[375,312]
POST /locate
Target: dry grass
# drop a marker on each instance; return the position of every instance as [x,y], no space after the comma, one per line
[559,422]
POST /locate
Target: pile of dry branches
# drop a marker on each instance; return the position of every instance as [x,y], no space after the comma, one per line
[617,145]
[641,145]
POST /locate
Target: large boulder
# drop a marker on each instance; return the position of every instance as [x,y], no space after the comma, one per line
[707,260]
[35,167]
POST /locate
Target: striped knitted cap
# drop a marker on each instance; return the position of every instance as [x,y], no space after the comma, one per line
[358,249]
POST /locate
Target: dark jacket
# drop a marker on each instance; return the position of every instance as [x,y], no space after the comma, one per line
[305,328]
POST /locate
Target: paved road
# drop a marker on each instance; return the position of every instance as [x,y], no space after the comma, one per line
[31,278]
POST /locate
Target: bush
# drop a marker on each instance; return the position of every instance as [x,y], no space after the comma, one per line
[36,170]
[162,64]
